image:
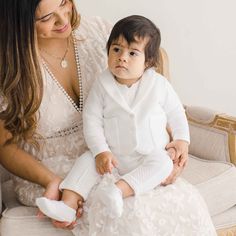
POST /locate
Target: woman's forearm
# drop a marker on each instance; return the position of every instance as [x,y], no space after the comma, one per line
[22,164]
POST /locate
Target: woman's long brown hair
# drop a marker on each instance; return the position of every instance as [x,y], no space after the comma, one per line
[21,83]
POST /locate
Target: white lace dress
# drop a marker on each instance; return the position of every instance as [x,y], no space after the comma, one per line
[176,210]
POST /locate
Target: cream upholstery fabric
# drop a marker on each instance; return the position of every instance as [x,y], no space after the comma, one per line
[215,181]
[225,219]
[206,142]
[209,143]
[22,221]
[203,115]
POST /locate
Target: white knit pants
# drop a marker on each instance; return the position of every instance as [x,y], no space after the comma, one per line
[141,172]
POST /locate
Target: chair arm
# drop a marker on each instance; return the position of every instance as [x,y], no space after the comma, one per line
[213,134]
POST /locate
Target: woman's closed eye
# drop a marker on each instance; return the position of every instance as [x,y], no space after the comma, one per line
[47,18]
[50,16]
[63,3]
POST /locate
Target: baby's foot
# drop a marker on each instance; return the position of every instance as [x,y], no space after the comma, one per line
[56,210]
[111,196]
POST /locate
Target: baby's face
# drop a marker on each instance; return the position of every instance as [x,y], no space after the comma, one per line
[127,61]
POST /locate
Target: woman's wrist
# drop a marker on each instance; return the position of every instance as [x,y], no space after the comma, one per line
[51,179]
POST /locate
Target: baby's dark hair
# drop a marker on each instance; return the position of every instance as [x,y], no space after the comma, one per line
[133,27]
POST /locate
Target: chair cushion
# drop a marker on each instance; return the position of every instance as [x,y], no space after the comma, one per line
[22,221]
[215,180]
[16,219]
[225,220]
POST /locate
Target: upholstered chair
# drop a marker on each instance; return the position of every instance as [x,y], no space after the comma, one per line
[210,168]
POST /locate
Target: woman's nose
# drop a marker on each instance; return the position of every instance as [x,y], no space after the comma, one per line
[62,17]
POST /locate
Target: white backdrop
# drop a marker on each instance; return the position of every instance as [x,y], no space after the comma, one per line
[200,39]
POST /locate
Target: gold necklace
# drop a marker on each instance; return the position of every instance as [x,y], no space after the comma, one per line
[63,61]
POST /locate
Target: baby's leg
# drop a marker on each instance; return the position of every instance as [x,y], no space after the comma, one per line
[76,186]
[111,198]
[154,169]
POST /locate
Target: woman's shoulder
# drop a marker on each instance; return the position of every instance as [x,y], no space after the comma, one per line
[93,27]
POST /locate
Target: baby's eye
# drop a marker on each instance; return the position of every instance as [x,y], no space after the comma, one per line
[116,49]
[133,53]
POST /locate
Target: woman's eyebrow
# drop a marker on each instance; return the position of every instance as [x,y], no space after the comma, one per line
[42,17]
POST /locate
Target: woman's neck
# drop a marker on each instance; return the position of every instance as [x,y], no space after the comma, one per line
[52,44]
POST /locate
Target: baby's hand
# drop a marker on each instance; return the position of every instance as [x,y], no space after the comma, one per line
[181,151]
[105,162]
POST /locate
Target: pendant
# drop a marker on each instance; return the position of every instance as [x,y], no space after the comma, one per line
[64,63]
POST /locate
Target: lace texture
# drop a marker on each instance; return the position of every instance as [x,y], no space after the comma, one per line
[174,210]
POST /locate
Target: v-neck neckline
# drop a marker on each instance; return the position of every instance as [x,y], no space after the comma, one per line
[79,77]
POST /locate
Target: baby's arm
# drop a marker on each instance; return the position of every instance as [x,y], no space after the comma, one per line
[178,124]
[93,120]
[105,162]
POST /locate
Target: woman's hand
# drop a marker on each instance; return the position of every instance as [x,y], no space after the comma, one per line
[177,170]
[67,225]
[52,192]
[181,151]
[178,151]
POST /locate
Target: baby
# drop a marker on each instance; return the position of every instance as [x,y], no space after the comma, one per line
[125,119]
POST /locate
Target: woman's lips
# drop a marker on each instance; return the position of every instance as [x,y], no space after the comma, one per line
[63,29]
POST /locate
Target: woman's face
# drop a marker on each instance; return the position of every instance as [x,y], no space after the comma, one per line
[53,19]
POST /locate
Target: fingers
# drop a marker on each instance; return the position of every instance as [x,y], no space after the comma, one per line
[114,162]
[79,212]
[171,153]
[63,225]
[183,159]
[100,170]
[80,209]
[168,181]
[71,226]
[181,151]
[40,215]
[177,170]
[109,167]
[170,145]
[105,166]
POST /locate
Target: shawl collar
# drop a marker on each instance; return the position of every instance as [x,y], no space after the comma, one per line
[146,84]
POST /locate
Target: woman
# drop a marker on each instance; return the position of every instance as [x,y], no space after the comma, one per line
[46,71]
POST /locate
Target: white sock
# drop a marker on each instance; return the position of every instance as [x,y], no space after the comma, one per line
[111,196]
[56,210]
